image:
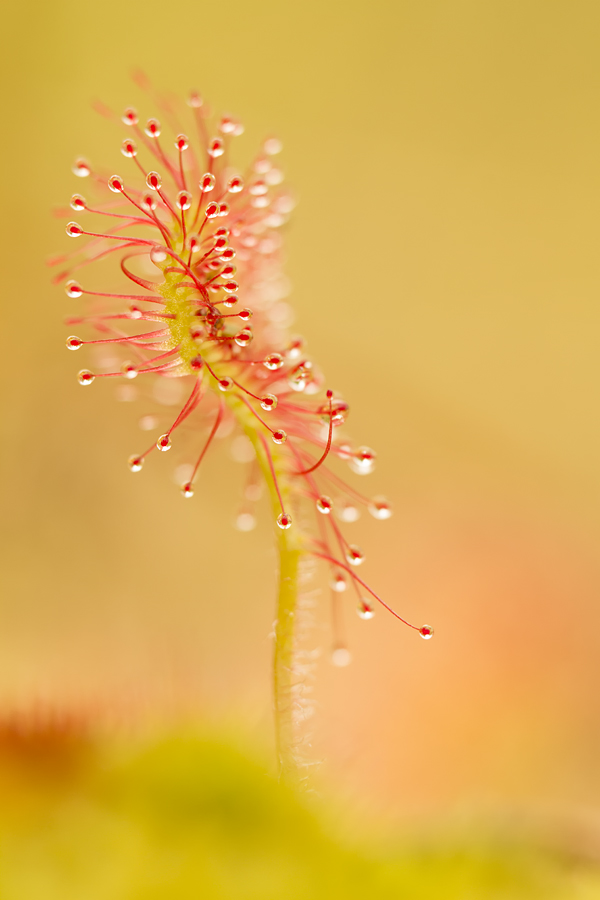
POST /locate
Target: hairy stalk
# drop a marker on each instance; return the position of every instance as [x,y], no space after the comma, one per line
[284,654]
[289,546]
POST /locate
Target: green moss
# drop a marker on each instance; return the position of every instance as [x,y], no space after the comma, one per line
[188,817]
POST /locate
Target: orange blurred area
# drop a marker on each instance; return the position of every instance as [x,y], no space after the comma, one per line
[444,265]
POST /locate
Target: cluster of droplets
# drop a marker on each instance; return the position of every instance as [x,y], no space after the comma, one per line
[211,235]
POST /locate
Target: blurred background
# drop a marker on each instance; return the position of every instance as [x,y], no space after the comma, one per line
[444,264]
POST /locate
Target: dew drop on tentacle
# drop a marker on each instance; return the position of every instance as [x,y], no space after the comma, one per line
[258,188]
[77,203]
[225,384]
[268,402]
[230,302]
[181,142]
[85,377]
[231,287]
[216,148]
[74,230]
[279,436]
[426,632]
[158,255]
[130,116]
[339,412]
[223,209]
[154,181]
[245,521]
[135,463]
[262,165]
[284,521]
[196,363]
[274,177]
[273,362]
[236,184]
[164,442]
[340,657]
[73,289]
[74,343]
[380,508]
[193,243]
[272,146]
[227,125]
[294,351]
[227,254]
[212,210]
[324,504]
[364,610]
[187,490]
[128,370]
[228,271]
[207,182]
[115,183]
[184,199]
[299,377]
[354,555]
[220,245]
[195,100]
[129,148]
[243,337]
[348,512]
[148,202]
[362,461]
[338,583]
[81,168]
[152,128]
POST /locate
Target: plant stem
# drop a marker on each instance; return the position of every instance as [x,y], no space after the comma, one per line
[284,678]
[289,545]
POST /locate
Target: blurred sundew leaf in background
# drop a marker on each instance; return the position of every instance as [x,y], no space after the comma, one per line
[188,815]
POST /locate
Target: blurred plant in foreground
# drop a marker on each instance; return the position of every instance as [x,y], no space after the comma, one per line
[187,815]
[205,237]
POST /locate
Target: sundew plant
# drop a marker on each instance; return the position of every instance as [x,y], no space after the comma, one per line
[196,245]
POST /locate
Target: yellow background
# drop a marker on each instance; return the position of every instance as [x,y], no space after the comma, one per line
[445,269]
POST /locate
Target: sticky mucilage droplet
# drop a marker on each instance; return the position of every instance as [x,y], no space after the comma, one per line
[73,289]
[354,555]
[273,362]
[164,443]
[380,508]
[268,402]
[85,377]
[135,463]
[364,610]
[324,504]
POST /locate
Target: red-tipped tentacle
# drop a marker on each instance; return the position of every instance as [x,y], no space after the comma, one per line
[364,585]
